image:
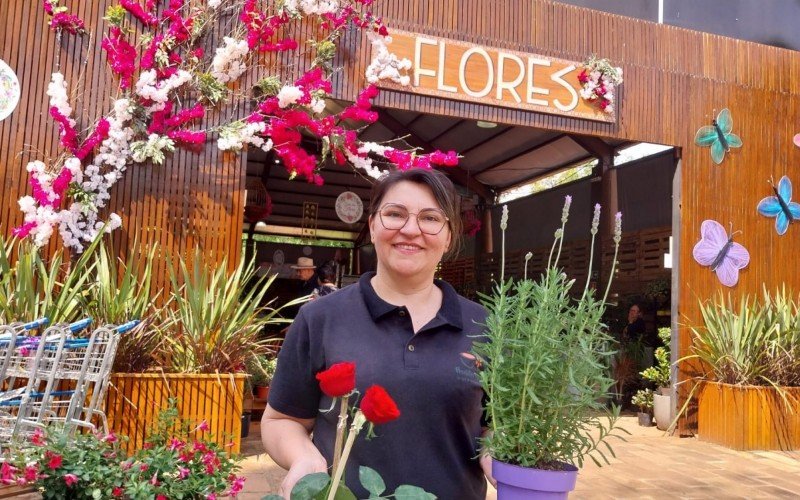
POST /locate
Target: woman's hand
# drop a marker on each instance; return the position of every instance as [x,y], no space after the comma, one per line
[486,466]
[302,467]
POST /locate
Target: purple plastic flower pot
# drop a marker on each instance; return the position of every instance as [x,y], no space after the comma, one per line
[522,483]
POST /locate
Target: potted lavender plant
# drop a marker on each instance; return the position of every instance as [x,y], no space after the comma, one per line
[546,373]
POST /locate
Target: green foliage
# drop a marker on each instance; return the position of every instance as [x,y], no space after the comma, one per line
[262,369]
[211,90]
[115,15]
[32,287]
[317,486]
[93,466]
[643,399]
[546,373]
[660,373]
[756,343]
[269,86]
[121,291]
[217,317]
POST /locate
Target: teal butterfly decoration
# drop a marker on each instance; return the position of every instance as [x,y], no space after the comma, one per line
[718,135]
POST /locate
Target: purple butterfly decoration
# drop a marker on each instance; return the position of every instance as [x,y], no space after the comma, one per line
[720,253]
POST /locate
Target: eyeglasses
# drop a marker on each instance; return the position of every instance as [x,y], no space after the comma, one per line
[429,220]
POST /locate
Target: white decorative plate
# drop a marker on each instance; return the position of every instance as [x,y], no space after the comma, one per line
[349,207]
[9,90]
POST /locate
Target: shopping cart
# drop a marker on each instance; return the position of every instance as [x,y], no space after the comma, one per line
[39,401]
[9,336]
[83,365]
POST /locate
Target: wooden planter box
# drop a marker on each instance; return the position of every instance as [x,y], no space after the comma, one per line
[749,417]
[134,400]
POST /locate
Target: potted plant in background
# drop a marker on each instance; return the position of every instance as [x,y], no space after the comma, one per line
[660,376]
[262,368]
[749,371]
[643,399]
[216,323]
[545,363]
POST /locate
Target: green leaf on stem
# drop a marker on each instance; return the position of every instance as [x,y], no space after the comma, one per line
[408,492]
[371,481]
[310,486]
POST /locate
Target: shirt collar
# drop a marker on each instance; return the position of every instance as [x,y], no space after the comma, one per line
[449,313]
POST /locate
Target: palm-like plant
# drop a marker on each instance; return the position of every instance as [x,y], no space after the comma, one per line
[32,287]
[217,318]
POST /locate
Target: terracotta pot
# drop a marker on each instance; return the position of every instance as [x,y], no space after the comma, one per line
[262,391]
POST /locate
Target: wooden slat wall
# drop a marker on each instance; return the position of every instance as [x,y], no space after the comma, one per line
[134,401]
[675,79]
[639,262]
[749,417]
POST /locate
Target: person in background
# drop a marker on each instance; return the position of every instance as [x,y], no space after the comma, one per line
[404,331]
[326,276]
[635,328]
[307,272]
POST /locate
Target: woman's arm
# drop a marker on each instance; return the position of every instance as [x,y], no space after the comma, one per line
[287,440]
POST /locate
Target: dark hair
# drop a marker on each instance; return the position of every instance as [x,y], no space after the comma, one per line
[327,273]
[442,189]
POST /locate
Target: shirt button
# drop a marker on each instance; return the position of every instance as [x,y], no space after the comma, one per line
[402,313]
[411,348]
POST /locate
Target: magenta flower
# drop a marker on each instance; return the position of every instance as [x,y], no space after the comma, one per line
[70,479]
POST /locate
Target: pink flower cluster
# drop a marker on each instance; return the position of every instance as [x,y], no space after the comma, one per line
[261,29]
[60,20]
[121,56]
[143,14]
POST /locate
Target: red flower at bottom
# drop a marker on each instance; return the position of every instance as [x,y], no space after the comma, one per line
[378,407]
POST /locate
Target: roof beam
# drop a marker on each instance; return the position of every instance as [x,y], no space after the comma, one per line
[459,175]
[522,153]
[547,172]
[595,146]
[481,143]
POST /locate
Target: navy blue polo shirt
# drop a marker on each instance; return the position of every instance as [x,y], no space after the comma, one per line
[434,443]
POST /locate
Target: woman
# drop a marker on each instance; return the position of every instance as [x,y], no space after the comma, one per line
[406,332]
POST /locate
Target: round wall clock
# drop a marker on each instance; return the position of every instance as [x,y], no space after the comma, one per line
[349,207]
[9,90]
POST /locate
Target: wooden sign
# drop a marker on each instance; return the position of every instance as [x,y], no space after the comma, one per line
[462,71]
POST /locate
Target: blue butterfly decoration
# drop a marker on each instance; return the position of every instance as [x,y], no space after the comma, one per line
[718,135]
[780,206]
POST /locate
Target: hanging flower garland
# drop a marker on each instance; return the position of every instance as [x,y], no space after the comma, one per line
[146,124]
[600,79]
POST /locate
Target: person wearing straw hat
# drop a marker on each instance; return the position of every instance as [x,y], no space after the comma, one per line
[307,272]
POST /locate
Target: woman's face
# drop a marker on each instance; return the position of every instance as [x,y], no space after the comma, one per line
[408,251]
[633,314]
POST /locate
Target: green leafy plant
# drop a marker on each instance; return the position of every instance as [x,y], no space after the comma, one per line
[121,291]
[660,373]
[754,343]
[261,370]
[644,400]
[32,287]
[733,342]
[545,367]
[217,317]
[173,464]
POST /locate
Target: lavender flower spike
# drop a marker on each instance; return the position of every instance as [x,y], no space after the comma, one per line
[565,210]
[595,219]
[617,227]
[504,218]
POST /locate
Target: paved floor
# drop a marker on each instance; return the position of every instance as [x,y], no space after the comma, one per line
[648,465]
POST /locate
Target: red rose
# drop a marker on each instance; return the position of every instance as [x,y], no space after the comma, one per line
[338,380]
[378,407]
